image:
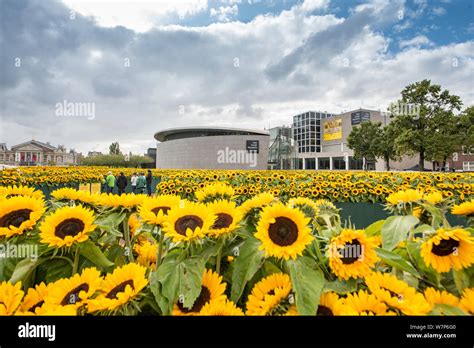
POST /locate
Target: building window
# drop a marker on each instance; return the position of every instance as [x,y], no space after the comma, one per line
[338,163]
[355,164]
[323,163]
[468,166]
[466,150]
[310,163]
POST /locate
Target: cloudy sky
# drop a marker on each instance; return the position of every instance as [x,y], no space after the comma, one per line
[142,66]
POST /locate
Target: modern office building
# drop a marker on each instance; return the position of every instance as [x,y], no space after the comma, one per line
[212,148]
[282,150]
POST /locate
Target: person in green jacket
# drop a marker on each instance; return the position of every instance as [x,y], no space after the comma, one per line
[110,182]
[141,183]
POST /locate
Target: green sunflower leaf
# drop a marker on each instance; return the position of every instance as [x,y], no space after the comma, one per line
[341,286]
[246,264]
[23,269]
[93,253]
[307,281]
[396,261]
[395,229]
[444,309]
[375,228]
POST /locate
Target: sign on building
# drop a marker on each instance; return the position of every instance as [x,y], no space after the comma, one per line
[252,146]
[333,129]
[359,117]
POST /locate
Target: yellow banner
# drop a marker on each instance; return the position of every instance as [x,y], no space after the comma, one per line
[333,129]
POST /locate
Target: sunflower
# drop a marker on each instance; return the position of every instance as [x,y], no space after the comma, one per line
[434,197]
[212,289]
[154,209]
[466,208]
[329,304]
[133,224]
[70,194]
[13,191]
[221,308]
[397,294]
[53,310]
[228,217]
[467,301]
[127,201]
[352,254]
[66,226]
[258,201]
[188,221]
[19,213]
[10,297]
[362,303]
[119,287]
[74,291]
[271,296]
[307,206]
[147,251]
[448,249]
[405,196]
[435,297]
[217,190]
[283,231]
[34,299]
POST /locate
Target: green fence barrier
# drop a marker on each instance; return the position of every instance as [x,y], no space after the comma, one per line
[363,214]
[360,214]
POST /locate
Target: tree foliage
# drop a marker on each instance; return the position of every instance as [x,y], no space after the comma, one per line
[114,149]
[135,161]
[417,131]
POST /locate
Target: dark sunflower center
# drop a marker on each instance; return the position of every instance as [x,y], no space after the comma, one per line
[324,311]
[15,218]
[119,288]
[187,221]
[351,252]
[33,308]
[223,221]
[163,209]
[72,296]
[445,247]
[203,298]
[283,231]
[69,227]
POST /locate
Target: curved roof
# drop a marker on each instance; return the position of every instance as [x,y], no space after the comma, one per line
[194,132]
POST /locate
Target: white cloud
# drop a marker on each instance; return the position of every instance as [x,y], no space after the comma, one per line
[224,13]
[438,11]
[311,5]
[417,41]
[139,15]
[182,76]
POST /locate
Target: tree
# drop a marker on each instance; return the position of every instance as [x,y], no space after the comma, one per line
[363,141]
[415,116]
[465,128]
[444,139]
[385,144]
[135,161]
[114,149]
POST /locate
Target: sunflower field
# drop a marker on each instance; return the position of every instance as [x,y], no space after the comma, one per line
[336,186]
[207,246]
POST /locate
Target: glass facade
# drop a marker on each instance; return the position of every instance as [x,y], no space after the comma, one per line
[323,163]
[307,131]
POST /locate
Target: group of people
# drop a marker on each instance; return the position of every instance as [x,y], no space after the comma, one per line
[139,183]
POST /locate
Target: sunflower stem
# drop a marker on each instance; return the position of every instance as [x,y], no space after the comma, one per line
[218,260]
[75,265]
[160,247]
[126,234]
